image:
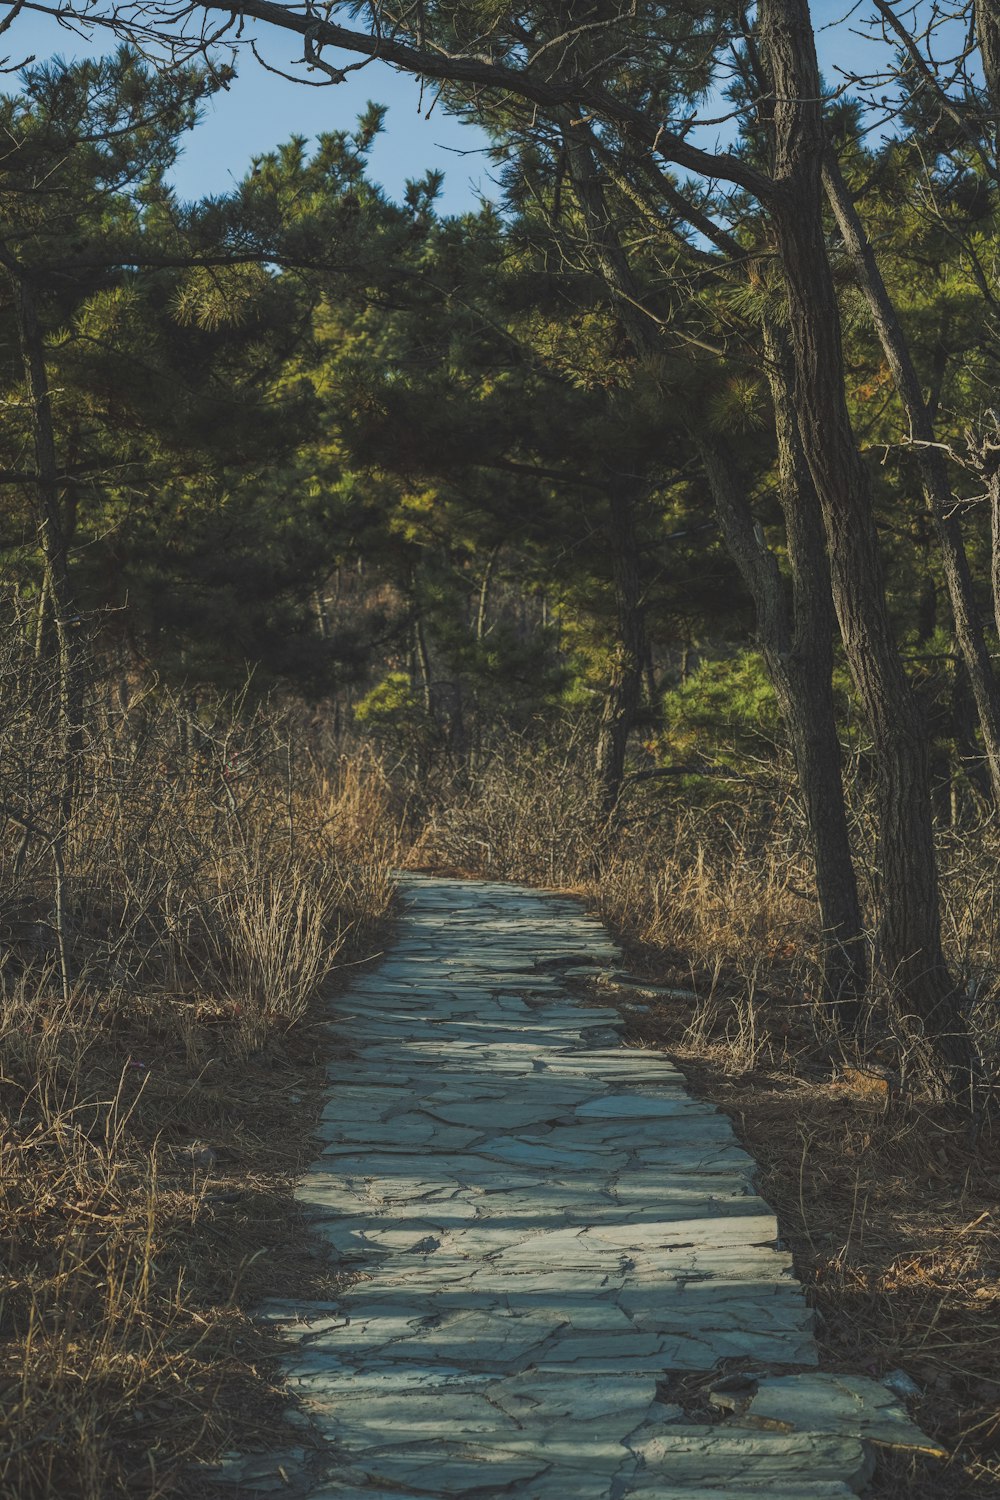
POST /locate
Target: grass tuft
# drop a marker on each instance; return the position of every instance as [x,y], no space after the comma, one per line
[155,1112]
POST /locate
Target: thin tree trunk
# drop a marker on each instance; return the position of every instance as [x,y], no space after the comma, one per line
[484,594]
[624,695]
[42,617]
[58,590]
[625,691]
[933,468]
[424,663]
[909,931]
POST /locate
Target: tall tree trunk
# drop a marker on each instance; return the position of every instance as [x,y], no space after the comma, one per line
[797,645]
[625,691]
[624,695]
[986,22]
[933,468]
[798,652]
[809,669]
[909,929]
[798,649]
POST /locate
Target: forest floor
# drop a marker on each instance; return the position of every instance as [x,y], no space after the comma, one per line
[888,1205]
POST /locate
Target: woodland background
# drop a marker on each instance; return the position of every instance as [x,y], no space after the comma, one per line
[637,533]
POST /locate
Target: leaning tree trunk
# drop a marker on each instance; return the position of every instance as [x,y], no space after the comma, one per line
[812,716]
[933,467]
[798,653]
[797,646]
[909,934]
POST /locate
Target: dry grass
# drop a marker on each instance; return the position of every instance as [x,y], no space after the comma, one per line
[528,814]
[154,1113]
[887,1200]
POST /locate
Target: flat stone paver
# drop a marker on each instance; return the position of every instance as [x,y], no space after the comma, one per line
[544,1225]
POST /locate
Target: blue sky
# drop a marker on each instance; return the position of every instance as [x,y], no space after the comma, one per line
[261,109]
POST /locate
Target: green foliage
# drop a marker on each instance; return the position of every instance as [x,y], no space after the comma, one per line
[724,710]
[392,709]
[299,421]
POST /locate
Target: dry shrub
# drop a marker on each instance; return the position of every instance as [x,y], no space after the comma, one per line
[721,881]
[716,887]
[161,1048]
[527,812]
[711,877]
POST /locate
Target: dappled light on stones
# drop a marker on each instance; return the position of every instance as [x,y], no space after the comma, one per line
[545,1227]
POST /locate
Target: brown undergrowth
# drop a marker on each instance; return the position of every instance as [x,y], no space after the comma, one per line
[889,1210]
[163,1050]
[887,1199]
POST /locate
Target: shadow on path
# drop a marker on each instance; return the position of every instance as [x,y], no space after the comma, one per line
[547,1225]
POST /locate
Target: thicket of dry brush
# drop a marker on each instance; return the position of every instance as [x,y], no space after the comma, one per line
[161,1048]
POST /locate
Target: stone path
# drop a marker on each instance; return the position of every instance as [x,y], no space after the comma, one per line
[545,1225]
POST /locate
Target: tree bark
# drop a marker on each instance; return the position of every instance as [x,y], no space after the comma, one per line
[797,646]
[933,466]
[624,695]
[986,23]
[909,934]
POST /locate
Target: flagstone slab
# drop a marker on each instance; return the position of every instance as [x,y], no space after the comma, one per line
[542,1225]
[841,1403]
[700,1456]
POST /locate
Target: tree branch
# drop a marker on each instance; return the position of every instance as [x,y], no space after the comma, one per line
[483,72]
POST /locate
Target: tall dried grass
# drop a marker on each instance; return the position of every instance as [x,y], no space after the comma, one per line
[711,878]
[718,878]
[210,881]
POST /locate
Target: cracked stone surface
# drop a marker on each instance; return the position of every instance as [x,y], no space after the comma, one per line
[544,1225]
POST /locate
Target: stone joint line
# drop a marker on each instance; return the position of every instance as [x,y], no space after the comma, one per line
[544,1226]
